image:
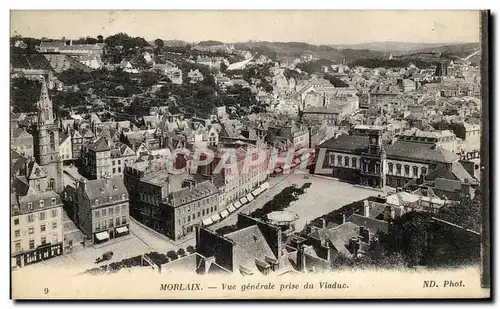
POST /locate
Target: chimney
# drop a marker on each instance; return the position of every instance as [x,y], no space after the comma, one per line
[70,42]
[301,258]
[323,222]
[366,208]
[83,183]
[343,218]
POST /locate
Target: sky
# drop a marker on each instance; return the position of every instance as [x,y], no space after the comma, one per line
[312,26]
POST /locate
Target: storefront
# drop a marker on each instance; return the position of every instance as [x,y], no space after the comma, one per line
[41,253]
[121,231]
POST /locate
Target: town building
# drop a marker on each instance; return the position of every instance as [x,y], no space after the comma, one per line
[101,208]
[36,223]
[61,47]
[371,161]
[21,141]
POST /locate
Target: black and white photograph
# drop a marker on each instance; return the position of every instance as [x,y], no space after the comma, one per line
[249,154]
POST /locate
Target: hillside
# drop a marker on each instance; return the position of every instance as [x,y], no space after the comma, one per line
[390,46]
[459,50]
[296,49]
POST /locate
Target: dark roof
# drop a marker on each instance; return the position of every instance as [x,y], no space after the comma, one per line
[249,245]
[103,189]
[101,144]
[187,194]
[405,150]
[346,143]
[373,225]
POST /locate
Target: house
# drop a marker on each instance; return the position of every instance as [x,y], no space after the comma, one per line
[22,141]
[65,148]
[102,208]
[170,70]
[195,76]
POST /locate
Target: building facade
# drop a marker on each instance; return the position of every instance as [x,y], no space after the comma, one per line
[37,229]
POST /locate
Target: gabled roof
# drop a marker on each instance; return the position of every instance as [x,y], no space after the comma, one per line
[34,171]
[346,143]
[420,152]
[20,132]
[101,144]
[250,248]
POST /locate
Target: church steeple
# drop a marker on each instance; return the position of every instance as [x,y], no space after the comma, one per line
[44,104]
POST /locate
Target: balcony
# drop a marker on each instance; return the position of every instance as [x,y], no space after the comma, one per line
[371,172]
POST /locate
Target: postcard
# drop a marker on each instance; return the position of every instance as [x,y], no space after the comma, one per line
[315,154]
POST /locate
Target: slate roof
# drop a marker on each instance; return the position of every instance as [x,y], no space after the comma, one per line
[187,195]
[101,144]
[372,224]
[249,245]
[346,143]
[103,189]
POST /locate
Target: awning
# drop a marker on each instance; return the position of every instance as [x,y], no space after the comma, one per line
[249,197]
[265,186]
[231,208]
[243,200]
[257,191]
[102,235]
[237,204]
[122,229]
[207,221]
[224,213]
[215,218]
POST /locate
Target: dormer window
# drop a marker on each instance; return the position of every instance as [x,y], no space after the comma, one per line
[53,200]
[96,201]
[123,196]
[110,198]
[30,206]
[42,203]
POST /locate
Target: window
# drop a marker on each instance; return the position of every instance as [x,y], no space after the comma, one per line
[407,170]
[124,208]
[52,141]
[119,170]
[189,208]
[424,170]
[339,160]
[119,162]
[54,225]
[44,240]
[199,214]
[54,213]
[31,218]
[16,221]
[332,159]
[53,200]
[354,162]
[110,222]
[98,226]
[117,209]
[17,233]
[103,211]
[117,221]
[30,206]
[42,215]
[415,171]
[189,218]
[124,220]
[18,246]
[398,169]
[346,161]
[32,244]
[391,166]
[42,228]
[42,203]
[52,184]
[183,220]
[113,163]
[97,213]
[111,210]
[114,170]
[55,238]
[203,211]
[31,230]
[104,224]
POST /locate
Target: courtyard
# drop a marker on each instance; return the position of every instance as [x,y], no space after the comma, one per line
[323,196]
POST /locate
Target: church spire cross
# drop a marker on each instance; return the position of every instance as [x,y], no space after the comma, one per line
[45,105]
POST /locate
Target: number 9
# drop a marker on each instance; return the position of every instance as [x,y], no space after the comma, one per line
[46,291]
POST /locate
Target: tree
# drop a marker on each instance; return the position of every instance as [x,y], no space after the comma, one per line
[190,249]
[100,39]
[24,94]
[172,255]
[159,43]
[181,252]
[223,67]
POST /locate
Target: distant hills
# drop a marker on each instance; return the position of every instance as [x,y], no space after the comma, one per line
[400,47]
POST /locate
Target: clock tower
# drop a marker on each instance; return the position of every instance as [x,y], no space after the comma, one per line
[373,160]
